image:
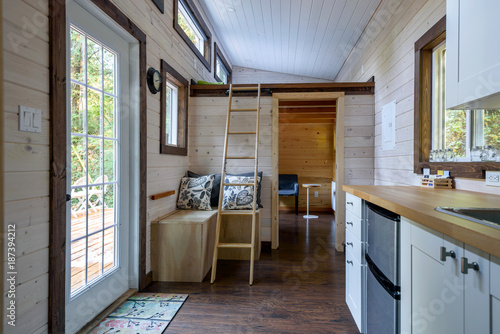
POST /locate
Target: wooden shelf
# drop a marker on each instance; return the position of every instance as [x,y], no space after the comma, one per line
[349,88]
[472,170]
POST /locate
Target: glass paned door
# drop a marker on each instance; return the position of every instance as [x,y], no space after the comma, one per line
[101,176]
[94,162]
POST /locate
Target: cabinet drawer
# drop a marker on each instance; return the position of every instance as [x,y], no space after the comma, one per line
[354,224]
[353,245]
[495,276]
[354,287]
[353,204]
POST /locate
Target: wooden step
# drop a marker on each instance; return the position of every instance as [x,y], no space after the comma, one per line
[239,184]
[242,158]
[243,109]
[234,245]
[237,212]
[242,133]
[245,88]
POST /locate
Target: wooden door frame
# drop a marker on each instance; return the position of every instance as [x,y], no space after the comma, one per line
[339,161]
[58,155]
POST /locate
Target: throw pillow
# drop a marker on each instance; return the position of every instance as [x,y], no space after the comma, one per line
[214,196]
[194,193]
[238,197]
[259,184]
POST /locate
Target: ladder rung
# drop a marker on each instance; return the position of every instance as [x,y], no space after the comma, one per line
[234,245]
[238,212]
[239,184]
[243,109]
[246,88]
[242,133]
[243,158]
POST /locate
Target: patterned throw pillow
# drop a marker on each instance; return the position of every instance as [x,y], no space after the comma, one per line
[238,197]
[194,193]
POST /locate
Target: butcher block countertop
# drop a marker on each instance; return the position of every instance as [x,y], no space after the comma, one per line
[418,203]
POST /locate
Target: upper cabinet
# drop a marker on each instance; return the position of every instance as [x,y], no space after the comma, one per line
[473,48]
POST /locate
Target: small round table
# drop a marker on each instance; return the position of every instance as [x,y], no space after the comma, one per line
[309,185]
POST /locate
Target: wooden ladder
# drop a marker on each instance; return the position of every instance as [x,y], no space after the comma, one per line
[252,212]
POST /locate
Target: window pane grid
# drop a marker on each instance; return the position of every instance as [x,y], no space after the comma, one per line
[95,160]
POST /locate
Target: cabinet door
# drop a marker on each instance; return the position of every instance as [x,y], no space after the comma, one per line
[452,295]
[477,292]
[473,65]
[354,287]
[427,284]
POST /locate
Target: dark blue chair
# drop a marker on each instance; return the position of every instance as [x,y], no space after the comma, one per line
[289,186]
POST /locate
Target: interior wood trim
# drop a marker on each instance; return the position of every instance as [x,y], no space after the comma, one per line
[162,195]
[57,192]
[348,88]
[218,53]
[57,226]
[119,17]
[205,59]
[168,73]
[279,98]
[2,139]
[423,112]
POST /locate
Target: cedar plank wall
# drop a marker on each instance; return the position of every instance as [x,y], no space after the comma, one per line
[244,75]
[386,51]
[207,121]
[26,82]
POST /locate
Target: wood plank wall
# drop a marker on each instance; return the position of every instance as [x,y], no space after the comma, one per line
[386,50]
[26,82]
[207,121]
[306,148]
[244,75]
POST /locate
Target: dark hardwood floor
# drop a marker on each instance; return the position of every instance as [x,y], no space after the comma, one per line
[297,289]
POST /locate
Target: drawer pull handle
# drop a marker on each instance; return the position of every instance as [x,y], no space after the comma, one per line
[443,254]
[349,262]
[466,266]
[349,223]
[351,203]
[350,244]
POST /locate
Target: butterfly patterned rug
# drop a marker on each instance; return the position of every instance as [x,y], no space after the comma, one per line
[142,313]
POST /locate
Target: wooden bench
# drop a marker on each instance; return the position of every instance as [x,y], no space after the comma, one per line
[182,243]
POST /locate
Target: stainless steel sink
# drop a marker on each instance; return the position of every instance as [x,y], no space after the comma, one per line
[486,216]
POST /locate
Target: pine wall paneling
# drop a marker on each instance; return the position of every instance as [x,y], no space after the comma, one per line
[26,82]
[306,148]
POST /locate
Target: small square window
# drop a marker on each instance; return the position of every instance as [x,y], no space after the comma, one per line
[174,111]
[222,71]
[193,30]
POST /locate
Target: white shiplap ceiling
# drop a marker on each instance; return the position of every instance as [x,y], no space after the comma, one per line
[301,37]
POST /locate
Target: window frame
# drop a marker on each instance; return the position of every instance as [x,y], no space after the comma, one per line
[218,54]
[423,111]
[169,74]
[195,16]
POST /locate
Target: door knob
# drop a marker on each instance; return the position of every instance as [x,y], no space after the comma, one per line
[349,261]
[443,254]
[466,266]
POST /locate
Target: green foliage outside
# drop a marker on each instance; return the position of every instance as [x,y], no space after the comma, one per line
[492,128]
[188,30]
[92,112]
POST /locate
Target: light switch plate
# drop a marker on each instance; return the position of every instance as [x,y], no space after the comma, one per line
[493,178]
[30,119]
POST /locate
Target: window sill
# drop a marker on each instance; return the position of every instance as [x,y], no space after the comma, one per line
[472,170]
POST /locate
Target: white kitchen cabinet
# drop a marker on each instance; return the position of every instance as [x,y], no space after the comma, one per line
[446,297]
[472,49]
[355,268]
[495,293]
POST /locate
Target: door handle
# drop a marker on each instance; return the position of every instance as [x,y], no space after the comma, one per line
[350,244]
[466,266]
[68,197]
[351,203]
[349,223]
[443,254]
[349,262]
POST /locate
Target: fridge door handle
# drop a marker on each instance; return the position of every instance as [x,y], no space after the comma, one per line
[392,289]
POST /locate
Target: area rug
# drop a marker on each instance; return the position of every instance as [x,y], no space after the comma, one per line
[147,313]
